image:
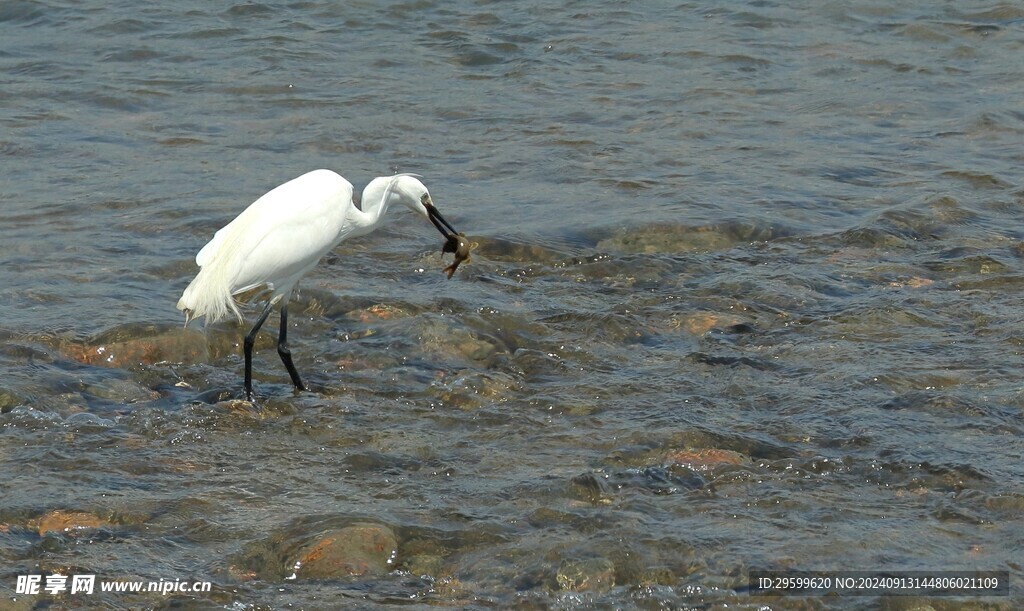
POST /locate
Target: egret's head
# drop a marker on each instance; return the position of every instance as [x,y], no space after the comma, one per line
[413,194]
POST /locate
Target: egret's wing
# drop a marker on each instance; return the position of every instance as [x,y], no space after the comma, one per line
[286,253]
[282,234]
[207,252]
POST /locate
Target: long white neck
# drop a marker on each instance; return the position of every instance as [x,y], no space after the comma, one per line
[377,197]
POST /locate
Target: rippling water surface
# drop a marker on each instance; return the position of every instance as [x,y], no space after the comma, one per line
[745,296]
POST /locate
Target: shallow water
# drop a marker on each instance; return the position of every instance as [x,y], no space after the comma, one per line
[743,297]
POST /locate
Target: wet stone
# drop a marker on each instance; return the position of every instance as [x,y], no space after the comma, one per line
[425,564]
[359,549]
[870,239]
[472,389]
[509,250]
[239,412]
[704,459]
[1011,503]
[68,522]
[537,365]
[600,488]
[440,339]
[378,312]
[913,282]
[700,323]
[664,238]
[473,348]
[586,575]
[121,391]
[21,603]
[9,400]
[133,346]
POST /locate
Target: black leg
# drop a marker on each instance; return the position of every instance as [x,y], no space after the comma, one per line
[286,354]
[249,341]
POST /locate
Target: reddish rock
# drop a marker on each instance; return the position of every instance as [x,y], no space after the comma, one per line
[360,549]
[177,346]
[699,323]
[378,312]
[59,520]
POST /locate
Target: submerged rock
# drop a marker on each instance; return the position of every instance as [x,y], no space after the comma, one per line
[914,282]
[9,400]
[134,345]
[586,575]
[359,549]
[444,341]
[63,521]
[425,564]
[378,312]
[501,249]
[705,459]
[666,238]
[121,391]
[602,487]
[700,323]
[472,389]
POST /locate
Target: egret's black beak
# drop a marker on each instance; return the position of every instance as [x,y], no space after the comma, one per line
[442,225]
[455,242]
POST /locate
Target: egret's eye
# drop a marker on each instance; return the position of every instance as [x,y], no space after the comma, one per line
[425,200]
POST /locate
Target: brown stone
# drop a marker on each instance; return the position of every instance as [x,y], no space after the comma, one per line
[178,346]
[359,549]
[60,520]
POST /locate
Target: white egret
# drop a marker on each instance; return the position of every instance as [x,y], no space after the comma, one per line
[282,235]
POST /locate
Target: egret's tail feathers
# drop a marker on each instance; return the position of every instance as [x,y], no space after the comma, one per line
[204,296]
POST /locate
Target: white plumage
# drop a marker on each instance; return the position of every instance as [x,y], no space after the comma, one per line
[273,242]
[281,236]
